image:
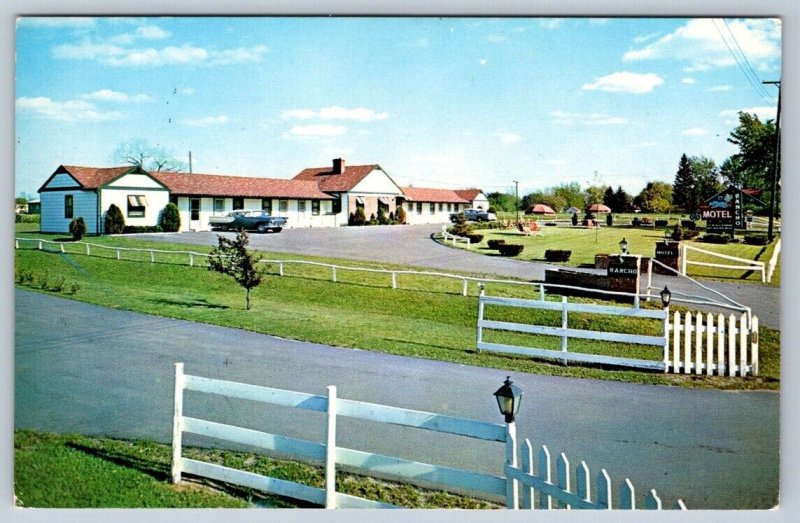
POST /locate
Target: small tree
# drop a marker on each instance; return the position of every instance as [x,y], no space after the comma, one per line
[574,219]
[610,219]
[400,215]
[77,228]
[170,218]
[231,257]
[114,222]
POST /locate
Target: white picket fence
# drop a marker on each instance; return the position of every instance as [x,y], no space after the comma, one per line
[453,239]
[747,265]
[693,345]
[552,494]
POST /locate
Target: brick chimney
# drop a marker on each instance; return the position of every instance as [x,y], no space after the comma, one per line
[338,166]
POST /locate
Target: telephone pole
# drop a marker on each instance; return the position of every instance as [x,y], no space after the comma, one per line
[776,169]
[516,193]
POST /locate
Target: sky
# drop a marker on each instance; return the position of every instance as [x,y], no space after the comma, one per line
[436,102]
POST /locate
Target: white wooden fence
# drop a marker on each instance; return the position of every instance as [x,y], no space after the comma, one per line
[773,261]
[698,344]
[450,479]
[748,265]
[453,239]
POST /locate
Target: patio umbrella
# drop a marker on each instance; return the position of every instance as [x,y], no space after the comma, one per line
[539,208]
[598,207]
[573,210]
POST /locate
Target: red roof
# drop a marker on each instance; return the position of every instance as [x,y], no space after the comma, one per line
[469,194]
[330,182]
[93,177]
[185,184]
[422,194]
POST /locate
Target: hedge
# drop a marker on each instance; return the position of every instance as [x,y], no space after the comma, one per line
[688,224]
[756,239]
[716,238]
[557,255]
[133,229]
[662,223]
[495,243]
[475,239]
[510,249]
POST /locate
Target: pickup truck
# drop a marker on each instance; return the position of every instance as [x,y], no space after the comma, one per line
[474,215]
[248,220]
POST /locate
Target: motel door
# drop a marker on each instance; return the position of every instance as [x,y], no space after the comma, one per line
[194,214]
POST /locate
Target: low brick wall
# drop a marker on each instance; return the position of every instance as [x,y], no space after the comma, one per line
[601,262]
[576,279]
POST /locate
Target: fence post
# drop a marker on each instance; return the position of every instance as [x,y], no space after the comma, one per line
[177,423]
[191,260]
[152,256]
[698,342]
[731,345]
[649,278]
[687,343]
[512,500]
[528,493]
[754,345]
[479,334]
[394,280]
[666,328]
[583,483]
[709,343]
[16,243]
[564,324]
[118,257]
[720,345]
[743,345]
[464,288]
[330,451]
[676,342]
[280,268]
[333,274]
[627,496]
[604,490]
[683,259]
[545,472]
[88,252]
[40,245]
[563,474]
[62,247]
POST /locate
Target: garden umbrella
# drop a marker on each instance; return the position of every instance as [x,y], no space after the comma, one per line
[598,207]
[539,208]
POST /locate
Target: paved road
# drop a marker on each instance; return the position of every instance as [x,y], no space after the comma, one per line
[92,370]
[412,245]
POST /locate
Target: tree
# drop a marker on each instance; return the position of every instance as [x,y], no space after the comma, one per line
[609,200]
[683,195]
[77,228]
[502,201]
[655,197]
[706,177]
[232,258]
[170,220]
[400,214]
[756,142]
[114,222]
[571,194]
[622,200]
[141,153]
[593,194]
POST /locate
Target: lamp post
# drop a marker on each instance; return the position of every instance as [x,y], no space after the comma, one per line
[623,249]
[666,297]
[508,398]
[516,195]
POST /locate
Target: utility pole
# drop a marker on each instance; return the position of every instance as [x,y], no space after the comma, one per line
[775,161]
[516,193]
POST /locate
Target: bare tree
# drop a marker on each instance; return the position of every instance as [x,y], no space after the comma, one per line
[141,153]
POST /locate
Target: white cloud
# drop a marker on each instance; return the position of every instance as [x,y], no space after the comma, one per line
[551,23]
[626,82]
[334,112]
[338,151]
[695,131]
[187,54]
[483,61]
[719,88]
[704,43]
[151,32]
[566,118]
[208,121]
[557,163]
[61,21]
[646,38]
[66,111]
[107,95]
[507,137]
[316,131]
[690,81]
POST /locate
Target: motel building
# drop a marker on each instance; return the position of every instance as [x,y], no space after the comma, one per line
[315,197]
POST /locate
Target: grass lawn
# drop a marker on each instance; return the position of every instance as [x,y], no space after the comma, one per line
[585,243]
[74,471]
[426,317]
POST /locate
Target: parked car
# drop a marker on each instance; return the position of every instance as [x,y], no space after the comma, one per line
[475,215]
[248,220]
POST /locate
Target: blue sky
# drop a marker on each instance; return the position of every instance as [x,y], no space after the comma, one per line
[446,102]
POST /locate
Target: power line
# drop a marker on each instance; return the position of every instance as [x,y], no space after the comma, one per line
[750,75]
[749,66]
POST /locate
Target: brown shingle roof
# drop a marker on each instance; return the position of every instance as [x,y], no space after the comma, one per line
[185,184]
[93,177]
[330,182]
[422,194]
[468,194]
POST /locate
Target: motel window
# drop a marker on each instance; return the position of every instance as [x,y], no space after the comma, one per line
[283,205]
[410,206]
[441,207]
[219,204]
[194,209]
[238,203]
[266,205]
[419,207]
[336,206]
[433,208]
[301,206]
[136,205]
[69,208]
[315,207]
[449,207]
[173,200]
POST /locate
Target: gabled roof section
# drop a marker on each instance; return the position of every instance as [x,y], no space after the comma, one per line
[329,181]
[93,177]
[469,194]
[185,184]
[423,194]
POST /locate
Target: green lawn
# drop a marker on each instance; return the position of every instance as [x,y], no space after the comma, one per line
[74,471]
[427,317]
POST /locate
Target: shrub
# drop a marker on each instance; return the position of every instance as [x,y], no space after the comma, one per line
[26,276]
[679,233]
[400,215]
[133,229]
[646,220]
[510,249]
[460,229]
[492,210]
[574,219]
[662,223]
[557,255]
[636,222]
[114,222]
[358,217]
[28,218]
[372,217]
[382,219]
[688,224]
[475,238]
[610,219]
[391,217]
[170,220]
[43,280]
[77,228]
[716,238]
[756,239]
[74,288]
[495,243]
[59,283]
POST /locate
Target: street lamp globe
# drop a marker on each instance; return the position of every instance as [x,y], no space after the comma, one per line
[508,399]
[623,246]
[666,296]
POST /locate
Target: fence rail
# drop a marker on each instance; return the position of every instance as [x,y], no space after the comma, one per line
[452,238]
[773,261]
[750,265]
[551,495]
[691,345]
